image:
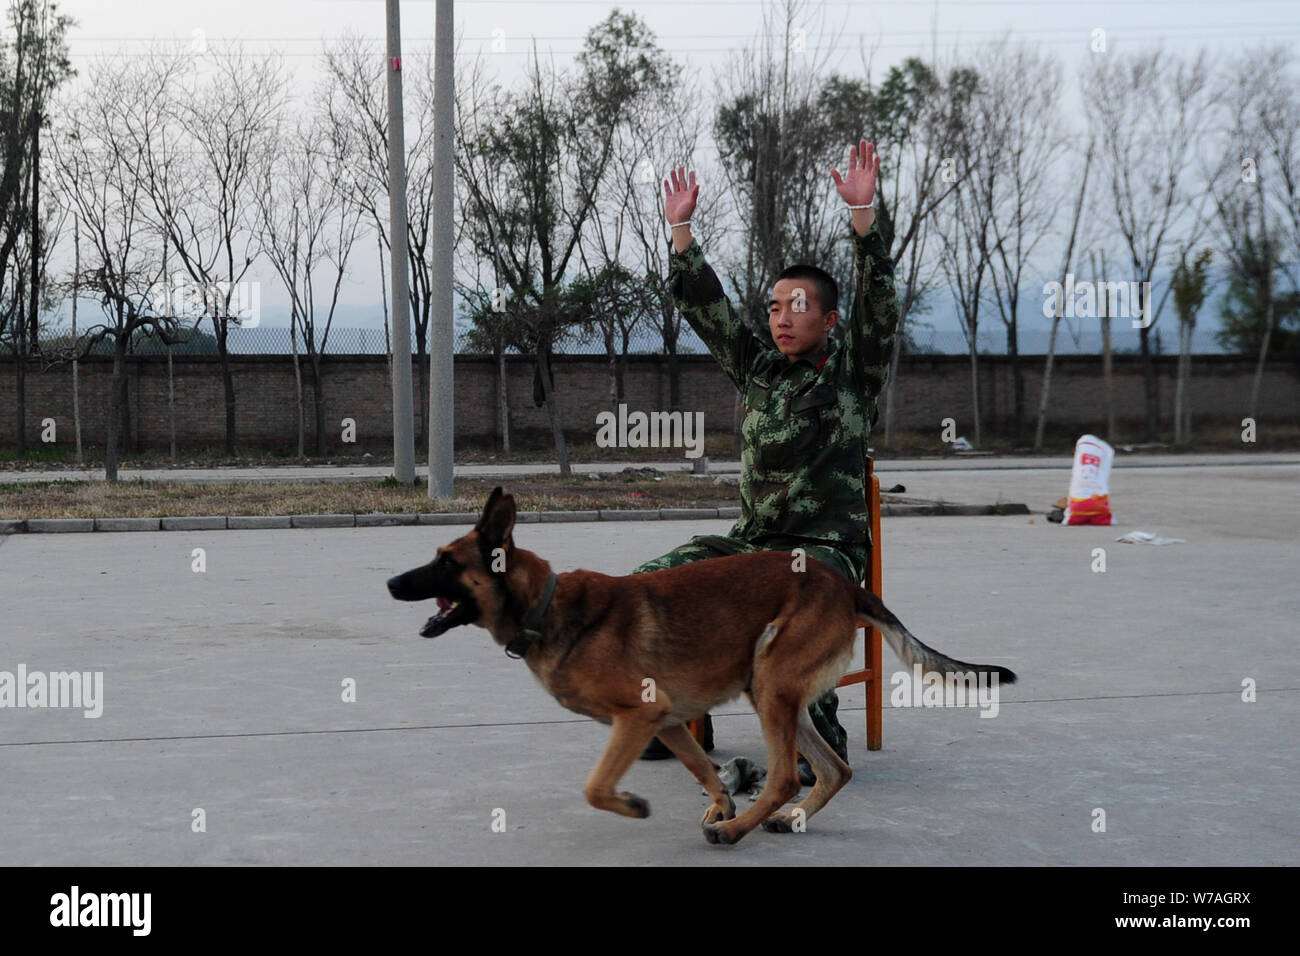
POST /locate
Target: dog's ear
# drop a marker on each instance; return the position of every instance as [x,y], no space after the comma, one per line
[498,521]
[493,500]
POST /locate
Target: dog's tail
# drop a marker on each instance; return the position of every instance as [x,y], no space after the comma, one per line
[910,651]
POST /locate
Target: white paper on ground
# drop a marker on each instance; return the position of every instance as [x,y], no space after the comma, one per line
[1146,537]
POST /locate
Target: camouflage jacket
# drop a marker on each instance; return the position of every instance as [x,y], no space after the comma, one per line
[806,423]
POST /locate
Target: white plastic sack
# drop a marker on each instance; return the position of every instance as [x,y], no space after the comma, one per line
[1090,482]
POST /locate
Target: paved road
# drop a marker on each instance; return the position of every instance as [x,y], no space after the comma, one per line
[222,691]
[273,473]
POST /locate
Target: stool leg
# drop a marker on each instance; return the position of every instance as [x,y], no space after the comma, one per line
[875,686]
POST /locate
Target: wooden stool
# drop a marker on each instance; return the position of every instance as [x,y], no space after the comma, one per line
[871,674]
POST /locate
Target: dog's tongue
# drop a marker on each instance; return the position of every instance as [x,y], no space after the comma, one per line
[443,604]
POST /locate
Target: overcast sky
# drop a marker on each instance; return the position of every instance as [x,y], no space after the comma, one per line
[700,33]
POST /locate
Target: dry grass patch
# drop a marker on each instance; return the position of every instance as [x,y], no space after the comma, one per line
[152,499]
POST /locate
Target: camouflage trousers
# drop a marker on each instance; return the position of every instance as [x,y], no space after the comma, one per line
[848,560]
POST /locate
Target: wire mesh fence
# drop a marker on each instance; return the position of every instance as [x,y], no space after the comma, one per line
[373,340]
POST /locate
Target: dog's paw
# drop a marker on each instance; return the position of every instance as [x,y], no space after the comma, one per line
[716,833]
[717,814]
[637,807]
[778,823]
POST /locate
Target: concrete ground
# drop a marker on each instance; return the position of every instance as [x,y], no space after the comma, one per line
[223,692]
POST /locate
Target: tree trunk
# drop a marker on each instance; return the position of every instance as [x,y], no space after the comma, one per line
[297,387]
[1046,391]
[383,292]
[893,380]
[1107,367]
[1107,364]
[20,369]
[1018,382]
[1149,383]
[620,370]
[124,434]
[503,399]
[975,390]
[171,382]
[674,378]
[76,384]
[611,357]
[114,404]
[422,363]
[227,383]
[171,404]
[553,408]
[318,394]
[1268,324]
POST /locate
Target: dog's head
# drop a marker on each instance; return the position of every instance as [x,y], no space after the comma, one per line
[467,576]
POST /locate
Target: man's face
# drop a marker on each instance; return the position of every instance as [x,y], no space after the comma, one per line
[795,316]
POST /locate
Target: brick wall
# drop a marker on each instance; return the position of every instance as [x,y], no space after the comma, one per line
[930,389]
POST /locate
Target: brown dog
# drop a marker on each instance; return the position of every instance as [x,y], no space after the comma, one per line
[648,652]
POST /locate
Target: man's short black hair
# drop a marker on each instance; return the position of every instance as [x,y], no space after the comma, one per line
[828,292]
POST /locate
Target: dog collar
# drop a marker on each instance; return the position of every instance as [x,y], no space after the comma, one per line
[529,632]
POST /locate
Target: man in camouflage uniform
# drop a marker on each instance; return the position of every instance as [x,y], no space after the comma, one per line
[808,407]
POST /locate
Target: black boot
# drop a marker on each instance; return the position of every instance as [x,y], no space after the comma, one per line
[657,750]
[822,711]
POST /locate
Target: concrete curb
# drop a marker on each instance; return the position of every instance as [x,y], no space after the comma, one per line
[214,523]
[275,522]
[384,520]
[623,514]
[60,525]
[257,522]
[128,524]
[570,516]
[323,521]
[456,518]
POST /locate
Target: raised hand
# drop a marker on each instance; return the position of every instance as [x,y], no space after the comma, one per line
[679,203]
[864,169]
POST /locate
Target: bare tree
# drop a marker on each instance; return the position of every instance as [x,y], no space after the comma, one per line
[355,103]
[1059,312]
[1150,111]
[1019,98]
[965,219]
[911,118]
[202,127]
[96,169]
[309,220]
[1256,185]
[656,140]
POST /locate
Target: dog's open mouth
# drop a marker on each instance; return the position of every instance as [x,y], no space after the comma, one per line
[450,614]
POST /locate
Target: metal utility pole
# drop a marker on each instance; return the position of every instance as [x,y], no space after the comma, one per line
[403,414]
[441,341]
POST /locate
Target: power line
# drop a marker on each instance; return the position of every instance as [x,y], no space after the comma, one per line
[926,34]
[1081,39]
